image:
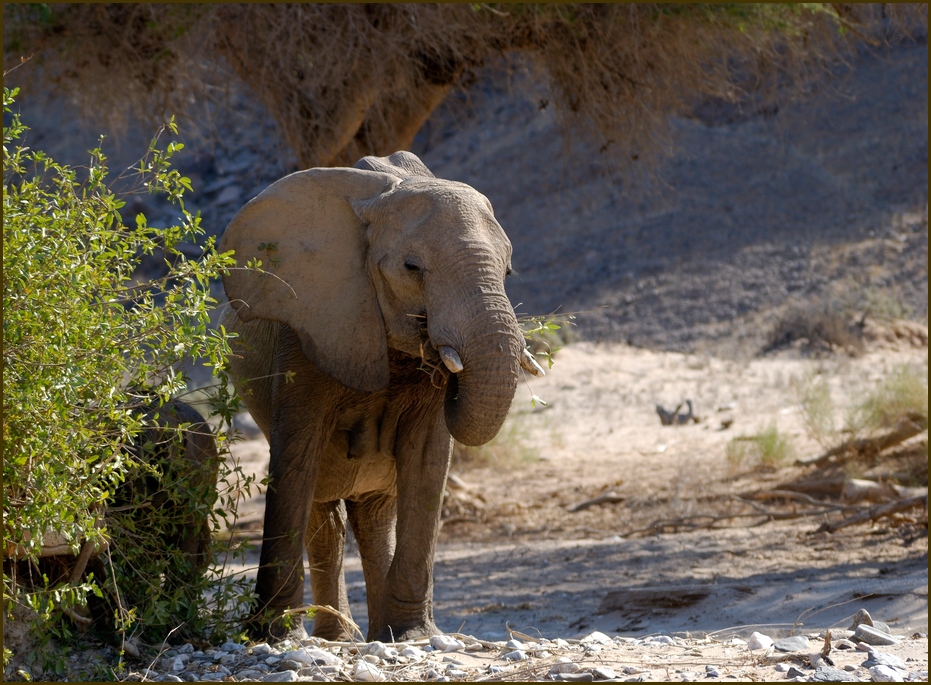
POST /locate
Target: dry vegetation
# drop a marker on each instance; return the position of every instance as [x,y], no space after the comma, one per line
[343,81]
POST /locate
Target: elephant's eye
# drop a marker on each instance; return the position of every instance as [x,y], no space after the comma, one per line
[413,266]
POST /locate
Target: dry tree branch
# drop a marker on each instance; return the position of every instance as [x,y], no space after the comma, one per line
[907,428]
[875,512]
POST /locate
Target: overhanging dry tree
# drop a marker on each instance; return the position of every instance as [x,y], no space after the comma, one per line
[345,80]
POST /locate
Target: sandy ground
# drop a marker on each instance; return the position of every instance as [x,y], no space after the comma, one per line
[513,556]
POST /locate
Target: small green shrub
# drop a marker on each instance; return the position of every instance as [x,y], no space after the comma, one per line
[817,408]
[767,450]
[900,395]
[89,347]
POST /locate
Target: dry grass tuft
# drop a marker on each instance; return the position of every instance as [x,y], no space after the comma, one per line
[345,80]
[817,329]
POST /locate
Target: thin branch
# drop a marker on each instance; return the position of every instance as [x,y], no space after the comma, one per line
[875,512]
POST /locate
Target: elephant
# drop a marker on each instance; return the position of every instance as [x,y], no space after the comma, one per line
[376,329]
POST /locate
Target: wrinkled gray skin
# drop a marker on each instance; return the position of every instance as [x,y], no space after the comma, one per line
[374,269]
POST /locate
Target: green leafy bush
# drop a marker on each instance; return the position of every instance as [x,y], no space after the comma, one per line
[90,348]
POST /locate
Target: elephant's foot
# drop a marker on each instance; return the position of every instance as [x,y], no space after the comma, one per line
[266,626]
[405,633]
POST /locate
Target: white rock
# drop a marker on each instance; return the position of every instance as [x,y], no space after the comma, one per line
[378,649]
[516,655]
[232,647]
[176,664]
[565,665]
[604,673]
[661,640]
[759,641]
[445,643]
[560,643]
[371,659]
[186,648]
[884,674]
[249,674]
[261,649]
[514,644]
[456,674]
[782,668]
[365,672]
[311,656]
[597,637]
[413,652]
[281,677]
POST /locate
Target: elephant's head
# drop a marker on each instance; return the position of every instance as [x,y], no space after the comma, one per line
[385,255]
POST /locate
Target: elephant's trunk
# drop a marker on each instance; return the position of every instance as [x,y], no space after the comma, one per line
[487,344]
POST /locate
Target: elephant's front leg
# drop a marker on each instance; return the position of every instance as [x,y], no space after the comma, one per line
[301,428]
[423,463]
[373,519]
[326,540]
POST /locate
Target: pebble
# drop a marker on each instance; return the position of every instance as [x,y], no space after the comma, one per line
[412,652]
[759,641]
[565,665]
[312,656]
[826,674]
[233,648]
[445,643]
[564,661]
[379,650]
[574,677]
[367,673]
[873,636]
[281,677]
[797,643]
[877,658]
[884,674]
[660,640]
[597,637]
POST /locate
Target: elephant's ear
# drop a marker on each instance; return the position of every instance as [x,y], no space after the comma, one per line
[312,248]
[402,164]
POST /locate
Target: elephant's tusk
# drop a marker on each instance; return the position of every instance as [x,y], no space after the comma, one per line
[530,364]
[451,358]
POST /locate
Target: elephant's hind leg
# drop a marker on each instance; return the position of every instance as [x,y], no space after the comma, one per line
[326,540]
[373,520]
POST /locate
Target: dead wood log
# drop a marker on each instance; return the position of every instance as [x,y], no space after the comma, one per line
[906,428]
[875,512]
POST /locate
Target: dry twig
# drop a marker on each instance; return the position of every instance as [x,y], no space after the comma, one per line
[907,428]
[875,512]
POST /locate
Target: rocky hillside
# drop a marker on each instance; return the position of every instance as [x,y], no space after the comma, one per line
[821,204]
